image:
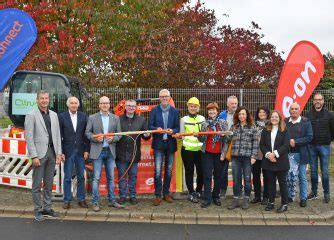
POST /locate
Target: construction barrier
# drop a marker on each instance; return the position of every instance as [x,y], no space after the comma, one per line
[16,166]
[16,169]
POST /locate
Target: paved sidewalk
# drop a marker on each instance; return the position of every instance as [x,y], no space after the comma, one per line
[16,202]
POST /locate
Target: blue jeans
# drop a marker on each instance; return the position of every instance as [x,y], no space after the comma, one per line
[323,152]
[162,156]
[129,180]
[241,167]
[77,161]
[296,170]
[107,159]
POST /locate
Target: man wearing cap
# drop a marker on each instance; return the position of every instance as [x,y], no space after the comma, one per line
[191,149]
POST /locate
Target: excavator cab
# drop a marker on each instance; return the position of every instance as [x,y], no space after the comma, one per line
[24,86]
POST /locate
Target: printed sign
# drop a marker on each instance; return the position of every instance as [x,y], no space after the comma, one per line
[23,103]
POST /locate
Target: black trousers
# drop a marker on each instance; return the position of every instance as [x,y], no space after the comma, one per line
[192,159]
[281,177]
[211,166]
[256,171]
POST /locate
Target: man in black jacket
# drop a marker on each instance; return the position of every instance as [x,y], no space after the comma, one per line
[125,157]
[323,133]
[300,133]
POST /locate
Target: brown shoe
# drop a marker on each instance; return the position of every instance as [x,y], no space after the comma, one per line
[157,201]
[83,204]
[168,198]
[66,205]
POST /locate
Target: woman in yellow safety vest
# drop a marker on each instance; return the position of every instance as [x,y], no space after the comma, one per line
[191,149]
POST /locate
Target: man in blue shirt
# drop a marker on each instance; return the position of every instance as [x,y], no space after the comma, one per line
[232,105]
[166,117]
[103,150]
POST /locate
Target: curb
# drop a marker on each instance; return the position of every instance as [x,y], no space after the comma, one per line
[213,218]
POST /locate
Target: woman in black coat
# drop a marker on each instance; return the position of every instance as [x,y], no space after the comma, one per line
[274,145]
[261,118]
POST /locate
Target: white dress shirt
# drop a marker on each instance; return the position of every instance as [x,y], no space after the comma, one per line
[272,138]
[74,119]
[297,121]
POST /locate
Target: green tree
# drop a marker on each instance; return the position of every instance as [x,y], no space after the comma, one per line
[327,82]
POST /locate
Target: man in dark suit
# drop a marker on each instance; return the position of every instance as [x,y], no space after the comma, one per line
[75,147]
[167,117]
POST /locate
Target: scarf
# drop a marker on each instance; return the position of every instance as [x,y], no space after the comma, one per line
[165,113]
[213,125]
[260,124]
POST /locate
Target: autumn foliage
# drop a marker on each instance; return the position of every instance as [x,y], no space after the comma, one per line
[148,43]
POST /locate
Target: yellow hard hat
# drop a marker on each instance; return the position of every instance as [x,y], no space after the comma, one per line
[193,100]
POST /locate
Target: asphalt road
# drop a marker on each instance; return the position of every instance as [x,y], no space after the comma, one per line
[28,229]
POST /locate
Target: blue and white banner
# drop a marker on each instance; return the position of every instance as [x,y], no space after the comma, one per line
[18,33]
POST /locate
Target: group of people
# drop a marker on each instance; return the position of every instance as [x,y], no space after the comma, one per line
[279,149]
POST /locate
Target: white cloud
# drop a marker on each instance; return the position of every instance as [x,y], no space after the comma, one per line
[284,22]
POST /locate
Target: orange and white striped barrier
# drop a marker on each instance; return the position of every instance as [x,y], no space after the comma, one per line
[16,166]
[13,146]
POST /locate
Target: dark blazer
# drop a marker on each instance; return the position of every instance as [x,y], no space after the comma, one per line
[71,139]
[282,142]
[173,123]
[303,142]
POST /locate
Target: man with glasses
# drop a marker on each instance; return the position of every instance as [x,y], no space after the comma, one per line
[102,150]
[126,158]
[323,133]
[165,117]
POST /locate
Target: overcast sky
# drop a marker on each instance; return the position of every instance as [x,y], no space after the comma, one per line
[283,22]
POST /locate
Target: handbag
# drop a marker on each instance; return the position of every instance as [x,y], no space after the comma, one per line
[228,155]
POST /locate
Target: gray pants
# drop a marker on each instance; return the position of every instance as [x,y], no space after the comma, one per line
[45,173]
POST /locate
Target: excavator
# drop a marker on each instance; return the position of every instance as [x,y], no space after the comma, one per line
[25,84]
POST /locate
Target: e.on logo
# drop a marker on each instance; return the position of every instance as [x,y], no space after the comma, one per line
[299,87]
[10,37]
[149,181]
[300,75]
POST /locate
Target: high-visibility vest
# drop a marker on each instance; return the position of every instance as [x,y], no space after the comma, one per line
[192,124]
